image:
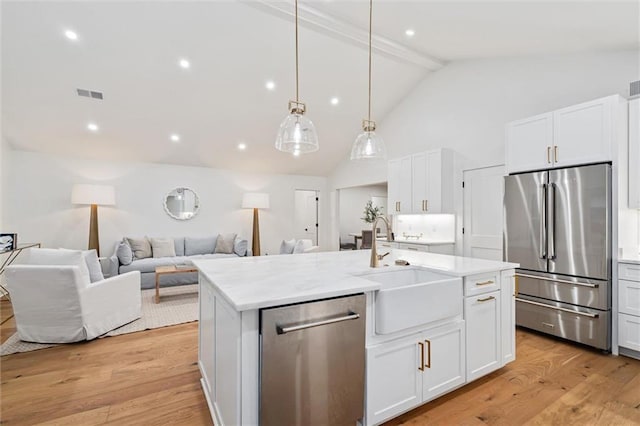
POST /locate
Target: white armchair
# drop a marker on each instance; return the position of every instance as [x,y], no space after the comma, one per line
[57,303]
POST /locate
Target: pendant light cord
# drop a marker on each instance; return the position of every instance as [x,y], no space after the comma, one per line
[370,26]
[297,81]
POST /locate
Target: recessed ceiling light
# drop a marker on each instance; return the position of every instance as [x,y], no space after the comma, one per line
[409,33]
[184,63]
[335,101]
[174,138]
[92,127]
[71,35]
[242,146]
[270,85]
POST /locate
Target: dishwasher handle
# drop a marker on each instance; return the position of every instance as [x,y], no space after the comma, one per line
[297,327]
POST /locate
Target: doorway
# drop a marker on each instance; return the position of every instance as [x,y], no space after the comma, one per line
[483,212]
[306,215]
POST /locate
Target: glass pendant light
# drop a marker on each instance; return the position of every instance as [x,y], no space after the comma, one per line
[368,145]
[297,134]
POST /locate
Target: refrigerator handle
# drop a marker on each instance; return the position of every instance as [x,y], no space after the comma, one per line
[551,220]
[543,222]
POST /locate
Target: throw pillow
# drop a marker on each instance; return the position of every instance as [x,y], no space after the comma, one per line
[124,253]
[93,264]
[163,247]
[140,247]
[240,247]
[193,246]
[286,247]
[301,245]
[224,244]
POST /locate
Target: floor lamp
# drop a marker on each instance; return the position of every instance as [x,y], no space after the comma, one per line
[255,201]
[93,195]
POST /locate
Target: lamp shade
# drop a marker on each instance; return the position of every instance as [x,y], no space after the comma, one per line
[255,200]
[103,195]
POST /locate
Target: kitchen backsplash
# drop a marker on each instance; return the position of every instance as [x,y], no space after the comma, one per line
[425,227]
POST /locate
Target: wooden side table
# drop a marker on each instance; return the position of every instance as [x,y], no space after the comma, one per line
[168,270]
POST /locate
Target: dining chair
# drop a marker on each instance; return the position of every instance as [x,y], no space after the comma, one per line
[367,239]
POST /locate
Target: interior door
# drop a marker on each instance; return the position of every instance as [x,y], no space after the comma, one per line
[306,215]
[524,233]
[579,229]
[483,212]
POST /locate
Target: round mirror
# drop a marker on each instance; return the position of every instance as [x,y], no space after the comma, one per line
[182,203]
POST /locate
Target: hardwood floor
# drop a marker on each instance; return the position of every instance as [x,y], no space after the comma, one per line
[152,378]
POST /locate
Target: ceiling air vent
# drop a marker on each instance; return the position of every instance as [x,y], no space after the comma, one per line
[89,93]
[634,88]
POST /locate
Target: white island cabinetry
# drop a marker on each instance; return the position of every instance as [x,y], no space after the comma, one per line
[404,369]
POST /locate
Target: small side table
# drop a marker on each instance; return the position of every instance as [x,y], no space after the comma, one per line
[13,254]
[168,270]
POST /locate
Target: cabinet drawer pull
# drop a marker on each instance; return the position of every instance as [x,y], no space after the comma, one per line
[428,364]
[555,308]
[555,154]
[548,155]
[485,283]
[557,280]
[421,366]
[412,248]
[426,205]
[486,299]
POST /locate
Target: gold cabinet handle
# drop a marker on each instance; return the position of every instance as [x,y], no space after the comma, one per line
[423,206]
[428,364]
[555,153]
[398,205]
[486,299]
[426,205]
[485,283]
[421,366]
[548,155]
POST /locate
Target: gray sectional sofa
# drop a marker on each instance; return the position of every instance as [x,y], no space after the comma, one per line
[186,249]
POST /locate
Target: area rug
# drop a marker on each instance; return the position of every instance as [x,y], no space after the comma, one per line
[177,305]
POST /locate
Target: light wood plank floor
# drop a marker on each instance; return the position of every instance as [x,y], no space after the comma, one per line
[152,378]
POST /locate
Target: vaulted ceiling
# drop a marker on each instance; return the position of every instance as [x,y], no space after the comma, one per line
[130,51]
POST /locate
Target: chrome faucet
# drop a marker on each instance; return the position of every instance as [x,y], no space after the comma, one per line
[375,258]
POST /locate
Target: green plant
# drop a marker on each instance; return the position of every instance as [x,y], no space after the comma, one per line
[371,212]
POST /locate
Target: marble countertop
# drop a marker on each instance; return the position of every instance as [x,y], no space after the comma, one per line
[262,281]
[418,242]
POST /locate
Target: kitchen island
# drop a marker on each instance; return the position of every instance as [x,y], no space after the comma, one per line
[429,327]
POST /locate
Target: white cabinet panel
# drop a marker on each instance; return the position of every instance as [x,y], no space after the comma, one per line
[508,316]
[394,378]
[629,271]
[413,247]
[444,360]
[634,153]
[529,143]
[629,331]
[582,133]
[629,297]
[481,283]
[227,361]
[419,182]
[442,249]
[482,317]
[206,334]
[399,185]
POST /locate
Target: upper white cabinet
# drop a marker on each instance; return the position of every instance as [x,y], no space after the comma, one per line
[579,134]
[422,183]
[634,153]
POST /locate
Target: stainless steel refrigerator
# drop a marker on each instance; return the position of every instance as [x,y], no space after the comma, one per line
[558,228]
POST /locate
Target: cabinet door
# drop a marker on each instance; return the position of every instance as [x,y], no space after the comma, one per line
[434,182]
[629,297]
[508,316]
[206,334]
[393,186]
[634,153]
[394,378]
[405,189]
[529,143]
[419,183]
[444,360]
[482,317]
[629,331]
[582,133]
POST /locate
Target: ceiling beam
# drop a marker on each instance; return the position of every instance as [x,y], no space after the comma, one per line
[327,24]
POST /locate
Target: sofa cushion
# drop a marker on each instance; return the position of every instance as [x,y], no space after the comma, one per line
[193,245]
[140,246]
[163,247]
[240,247]
[93,264]
[124,253]
[286,247]
[225,243]
[149,264]
[178,244]
[42,256]
[211,256]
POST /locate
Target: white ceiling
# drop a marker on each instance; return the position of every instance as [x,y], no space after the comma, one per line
[129,51]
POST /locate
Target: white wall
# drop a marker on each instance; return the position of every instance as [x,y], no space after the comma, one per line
[38,201]
[465,105]
[352,202]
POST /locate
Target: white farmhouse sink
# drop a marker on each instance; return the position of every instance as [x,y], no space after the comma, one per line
[411,297]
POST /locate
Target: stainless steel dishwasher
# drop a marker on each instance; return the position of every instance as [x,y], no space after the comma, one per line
[312,360]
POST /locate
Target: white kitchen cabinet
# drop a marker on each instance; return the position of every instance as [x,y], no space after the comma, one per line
[412,247]
[629,332]
[579,134]
[629,308]
[634,153]
[206,335]
[508,316]
[422,183]
[400,185]
[529,143]
[407,372]
[482,316]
